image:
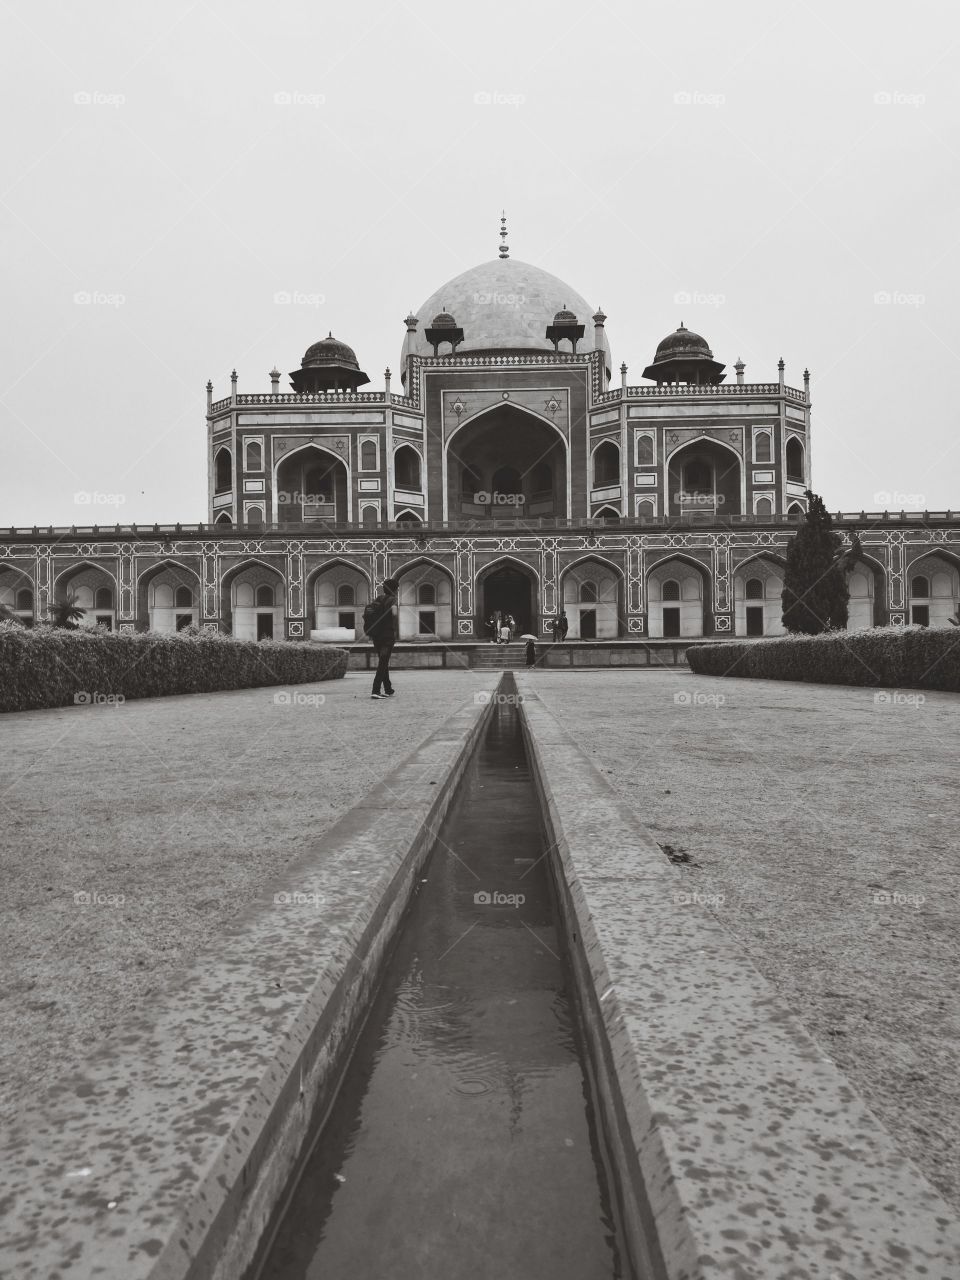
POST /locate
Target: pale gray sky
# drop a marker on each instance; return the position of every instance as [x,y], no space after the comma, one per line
[781,164]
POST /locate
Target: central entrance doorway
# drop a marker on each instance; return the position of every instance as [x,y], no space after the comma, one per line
[511,591]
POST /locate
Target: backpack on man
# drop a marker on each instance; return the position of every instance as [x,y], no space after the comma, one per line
[377,620]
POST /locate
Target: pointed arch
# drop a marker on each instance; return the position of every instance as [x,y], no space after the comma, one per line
[242,620]
[601,618]
[420,618]
[162,617]
[684,612]
[342,494]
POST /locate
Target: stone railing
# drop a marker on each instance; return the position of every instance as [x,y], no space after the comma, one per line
[465,525]
[674,390]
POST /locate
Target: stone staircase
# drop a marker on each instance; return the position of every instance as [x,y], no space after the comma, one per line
[500,657]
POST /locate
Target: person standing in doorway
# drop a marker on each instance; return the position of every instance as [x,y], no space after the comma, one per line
[511,623]
[381,624]
[564,626]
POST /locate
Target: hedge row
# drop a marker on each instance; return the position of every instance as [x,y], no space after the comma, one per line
[891,657]
[54,667]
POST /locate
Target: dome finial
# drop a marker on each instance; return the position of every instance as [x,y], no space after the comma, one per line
[504,247]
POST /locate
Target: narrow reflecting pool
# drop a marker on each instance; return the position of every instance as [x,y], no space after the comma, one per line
[463,1142]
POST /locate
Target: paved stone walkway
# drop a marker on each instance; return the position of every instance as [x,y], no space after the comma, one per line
[168,814]
[821,826]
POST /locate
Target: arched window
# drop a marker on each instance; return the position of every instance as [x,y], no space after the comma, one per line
[406,468]
[223,518]
[369,517]
[764,507]
[698,476]
[368,455]
[409,518]
[317,484]
[606,465]
[264,597]
[541,479]
[103,598]
[645,451]
[24,599]
[671,589]
[607,513]
[795,460]
[426,593]
[254,515]
[920,586]
[761,447]
[795,509]
[254,455]
[223,470]
[506,481]
[346,594]
[183,598]
[754,589]
[646,508]
[588,592]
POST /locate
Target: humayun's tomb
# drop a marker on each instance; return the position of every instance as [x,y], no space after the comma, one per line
[507,472]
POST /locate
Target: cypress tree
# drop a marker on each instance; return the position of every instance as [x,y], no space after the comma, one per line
[815,591]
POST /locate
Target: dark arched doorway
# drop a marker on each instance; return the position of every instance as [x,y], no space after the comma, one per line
[510,590]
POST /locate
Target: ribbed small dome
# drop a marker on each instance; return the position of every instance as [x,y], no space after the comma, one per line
[329,350]
[683,342]
[564,317]
[444,320]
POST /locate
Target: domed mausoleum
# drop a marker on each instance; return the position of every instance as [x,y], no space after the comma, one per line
[509,472]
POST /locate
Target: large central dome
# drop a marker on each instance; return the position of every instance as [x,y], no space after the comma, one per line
[504,305]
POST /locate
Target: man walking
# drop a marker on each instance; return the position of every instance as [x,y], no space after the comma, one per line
[380,622]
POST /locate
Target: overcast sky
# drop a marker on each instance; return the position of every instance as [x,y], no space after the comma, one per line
[792,168]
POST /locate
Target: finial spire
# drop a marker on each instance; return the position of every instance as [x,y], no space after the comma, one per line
[504,247]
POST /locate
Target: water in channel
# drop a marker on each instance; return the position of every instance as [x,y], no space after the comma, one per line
[463,1141]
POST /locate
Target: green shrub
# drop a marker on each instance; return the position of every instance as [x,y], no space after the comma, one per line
[55,667]
[889,657]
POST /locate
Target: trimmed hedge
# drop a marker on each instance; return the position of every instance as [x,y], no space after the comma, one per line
[54,667]
[891,657]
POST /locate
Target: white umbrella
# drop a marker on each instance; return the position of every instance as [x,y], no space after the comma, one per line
[528,636]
